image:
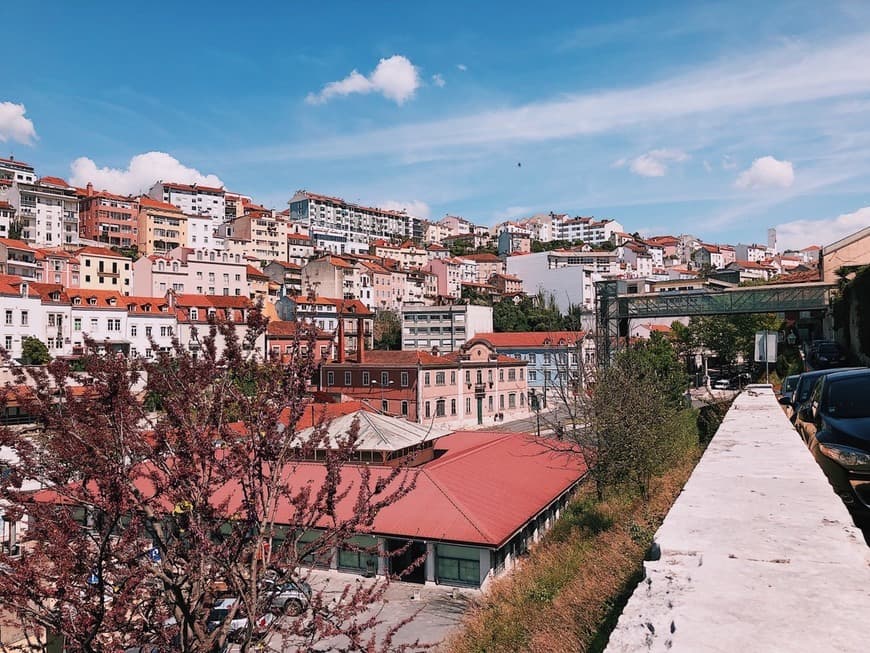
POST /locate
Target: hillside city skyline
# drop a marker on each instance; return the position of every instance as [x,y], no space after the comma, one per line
[693,118]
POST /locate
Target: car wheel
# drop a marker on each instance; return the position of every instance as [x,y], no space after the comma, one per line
[293,607]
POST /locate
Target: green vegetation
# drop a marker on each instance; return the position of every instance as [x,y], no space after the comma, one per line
[729,336]
[535,313]
[853,305]
[540,246]
[569,592]
[387,330]
[34,352]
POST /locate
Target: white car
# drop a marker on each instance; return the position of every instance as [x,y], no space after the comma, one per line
[722,384]
[240,623]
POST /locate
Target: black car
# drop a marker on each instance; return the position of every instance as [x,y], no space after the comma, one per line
[825,355]
[835,422]
[804,389]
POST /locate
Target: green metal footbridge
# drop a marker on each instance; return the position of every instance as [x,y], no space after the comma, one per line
[616,308]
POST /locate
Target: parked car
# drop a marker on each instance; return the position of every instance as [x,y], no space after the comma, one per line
[291,597]
[788,386]
[722,384]
[239,624]
[825,355]
[835,423]
[804,388]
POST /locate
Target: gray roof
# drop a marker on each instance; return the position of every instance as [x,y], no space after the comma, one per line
[379,432]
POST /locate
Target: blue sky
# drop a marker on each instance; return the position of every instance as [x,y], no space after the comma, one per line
[718,119]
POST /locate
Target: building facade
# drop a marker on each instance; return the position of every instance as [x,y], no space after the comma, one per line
[443,328]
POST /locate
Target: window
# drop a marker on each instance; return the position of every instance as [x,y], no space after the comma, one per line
[24,318]
[426,413]
[547,375]
[452,406]
[489,403]
[194,314]
[165,331]
[468,405]
[93,324]
[501,402]
[522,375]
[531,359]
[385,379]
[440,406]
[8,317]
[148,332]
[512,400]
[426,378]
[453,377]
[366,378]
[500,376]
[347,378]
[546,359]
[8,344]
[439,378]
[404,379]
[468,376]
[405,408]
[533,375]
[489,376]
[77,324]
[133,330]
[330,378]
[385,406]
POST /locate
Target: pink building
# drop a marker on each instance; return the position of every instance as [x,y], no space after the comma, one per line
[448,273]
[58,266]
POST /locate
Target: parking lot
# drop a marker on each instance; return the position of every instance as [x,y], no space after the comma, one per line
[436,610]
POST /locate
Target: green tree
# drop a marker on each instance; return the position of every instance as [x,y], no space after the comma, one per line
[34,352]
[507,316]
[387,330]
[733,335]
[638,416]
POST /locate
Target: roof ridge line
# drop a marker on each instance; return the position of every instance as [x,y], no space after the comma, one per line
[501,435]
[455,503]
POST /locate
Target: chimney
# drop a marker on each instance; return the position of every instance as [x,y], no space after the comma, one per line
[361,340]
[340,356]
[90,189]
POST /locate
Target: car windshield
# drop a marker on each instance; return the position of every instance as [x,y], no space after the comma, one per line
[218,614]
[847,398]
[829,350]
[790,383]
[805,387]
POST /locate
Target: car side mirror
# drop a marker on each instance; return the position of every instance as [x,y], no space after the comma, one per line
[785,401]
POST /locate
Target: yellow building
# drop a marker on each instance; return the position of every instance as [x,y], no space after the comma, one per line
[162,227]
[102,269]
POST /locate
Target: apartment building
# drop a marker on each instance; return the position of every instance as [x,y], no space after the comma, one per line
[192,199]
[19,259]
[487,266]
[445,328]
[48,210]
[59,267]
[286,274]
[191,271]
[103,269]
[332,276]
[201,233]
[262,235]
[195,314]
[470,387]
[343,227]
[345,319]
[7,217]
[108,218]
[754,253]
[408,254]
[569,276]
[12,171]
[300,248]
[448,272]
[234,204]
[162,227]
[22,313]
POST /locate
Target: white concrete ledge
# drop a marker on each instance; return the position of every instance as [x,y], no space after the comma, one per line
[757,553]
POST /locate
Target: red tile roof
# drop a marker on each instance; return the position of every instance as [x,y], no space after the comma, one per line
[16,244]
[192,187]
[483,258]
[288,265]
[150,203]
[54,181]
[99,251]
[212,301]
[355,306]
[254,273]
[6,205]
[105,298]
[403,358]
[521,339]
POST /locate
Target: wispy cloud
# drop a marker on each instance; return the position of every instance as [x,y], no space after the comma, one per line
[653,163]
[462,67]
[417,208]
[785,76]
[14,126]
[395,78]
[438,80]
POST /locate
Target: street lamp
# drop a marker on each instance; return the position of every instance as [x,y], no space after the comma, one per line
[536,406]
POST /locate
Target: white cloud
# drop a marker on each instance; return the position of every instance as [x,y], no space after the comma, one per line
[416,208]
[141,173]
[438,80]
[653,163]
[766,172]
[462,67]
[395,78]
[798,234]
[728,162]
[707,166]
[14,126]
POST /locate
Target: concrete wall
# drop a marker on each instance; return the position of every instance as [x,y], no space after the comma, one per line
[757,553]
